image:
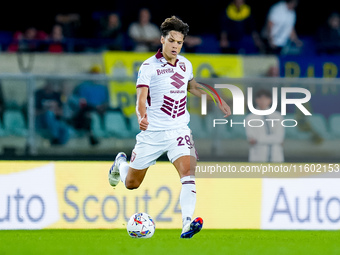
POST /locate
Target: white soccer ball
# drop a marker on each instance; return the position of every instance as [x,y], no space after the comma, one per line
[141,225]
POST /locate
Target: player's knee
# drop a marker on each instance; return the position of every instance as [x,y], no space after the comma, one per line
[186,172]
[131,184]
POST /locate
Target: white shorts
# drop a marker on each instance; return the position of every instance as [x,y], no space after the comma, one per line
[152,144]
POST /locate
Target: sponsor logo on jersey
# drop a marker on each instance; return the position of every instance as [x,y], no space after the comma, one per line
[177,80]
[164,71]
[177,91]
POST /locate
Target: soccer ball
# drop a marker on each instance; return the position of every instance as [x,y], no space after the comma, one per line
[141,225]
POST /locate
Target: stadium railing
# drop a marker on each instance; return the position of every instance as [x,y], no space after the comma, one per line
[317,138]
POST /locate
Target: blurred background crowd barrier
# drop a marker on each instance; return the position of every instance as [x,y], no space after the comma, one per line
[75,106]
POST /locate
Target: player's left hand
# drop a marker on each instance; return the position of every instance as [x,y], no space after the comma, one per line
[224,107]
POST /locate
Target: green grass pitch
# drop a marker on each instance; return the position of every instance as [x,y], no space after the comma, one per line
[168,242]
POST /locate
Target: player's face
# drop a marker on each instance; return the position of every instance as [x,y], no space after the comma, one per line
[263,102]
[172,44]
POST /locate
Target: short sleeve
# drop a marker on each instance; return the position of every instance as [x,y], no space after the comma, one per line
[144,75]
[274,12]
[191,72]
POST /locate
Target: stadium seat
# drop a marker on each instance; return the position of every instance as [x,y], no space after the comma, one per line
[210,44]
[2,131]
[6,38]
[295,132]
[309,45]
[237,130]
[319,125]
[14,123]
[334,125]
[134,126]
[115,125]
[96,125]
[220,130]
[197,126]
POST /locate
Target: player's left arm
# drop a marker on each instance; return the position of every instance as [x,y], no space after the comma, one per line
[194,88]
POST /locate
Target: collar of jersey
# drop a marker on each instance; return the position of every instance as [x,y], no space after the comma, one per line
[159,55]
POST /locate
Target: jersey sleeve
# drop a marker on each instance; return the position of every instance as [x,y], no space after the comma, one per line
[191,76]
[274,13]
[144,75]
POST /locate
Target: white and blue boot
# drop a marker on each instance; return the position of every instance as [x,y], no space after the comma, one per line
[190,229]
[114,176]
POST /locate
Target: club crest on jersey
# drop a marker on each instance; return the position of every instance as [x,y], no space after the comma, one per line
[133,156]
[182,66]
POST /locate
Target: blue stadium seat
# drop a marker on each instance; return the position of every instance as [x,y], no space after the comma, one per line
[115,125]
[210,44]
[96,125]
[237,130]
[309,45]
[334,125]
[220,130]
[197,126]
[14,123]
[134,126]
[319,124]
[2,131]
[6,38]
[295,132]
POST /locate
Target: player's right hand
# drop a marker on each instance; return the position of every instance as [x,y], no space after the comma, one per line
[224,107]
[143,123]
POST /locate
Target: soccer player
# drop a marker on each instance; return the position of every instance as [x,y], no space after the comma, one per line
[162,85]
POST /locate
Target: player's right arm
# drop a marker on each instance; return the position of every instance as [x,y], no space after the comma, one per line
[142,93]
[194,88]
[143,82]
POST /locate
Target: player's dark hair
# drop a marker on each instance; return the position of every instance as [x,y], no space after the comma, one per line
[263,92]
[175,24]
